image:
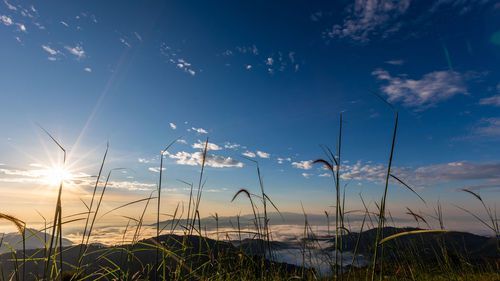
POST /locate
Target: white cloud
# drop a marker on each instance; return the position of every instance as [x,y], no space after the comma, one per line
[306,175]
[229,145]
[199,130]
[63,23]
[174,58]
[248,154]
[124,42]
[210,146]
[51,59]
[39,25]
[173,126]
[278,61]
[482,175]
[432,88]
[262,154]
[462,6]
[489,127]
[6,20]
[21,27]
[360,171]
[395,62]
[367,18]
[182,141]
[281,160]
[142,160]
[156,170]
[304,165]
[88,69]
[77,51]
[138,36]
[247,49]
[324,175]
[132,185]
[39,176]
[255,51]
[458,171]
[10,6]
[196,158]
[494,100]
[49,50]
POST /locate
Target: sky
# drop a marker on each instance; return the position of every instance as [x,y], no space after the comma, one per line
[261,80]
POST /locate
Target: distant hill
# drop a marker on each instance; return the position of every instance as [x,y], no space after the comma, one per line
[34,240]
[422,246]
[199,252]
[425,245]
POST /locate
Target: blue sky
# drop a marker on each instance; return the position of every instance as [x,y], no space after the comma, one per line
[267,80]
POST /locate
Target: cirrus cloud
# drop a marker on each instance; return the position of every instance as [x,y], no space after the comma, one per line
[423,93]
[366,18]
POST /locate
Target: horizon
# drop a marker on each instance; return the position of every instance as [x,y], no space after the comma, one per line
[260,81]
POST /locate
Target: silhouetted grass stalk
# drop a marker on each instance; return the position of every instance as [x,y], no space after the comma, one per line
[57,216]
[159,200]
[381,217]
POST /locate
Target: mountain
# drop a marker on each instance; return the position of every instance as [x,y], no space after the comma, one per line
[34,240]
[207,256]
[424,245]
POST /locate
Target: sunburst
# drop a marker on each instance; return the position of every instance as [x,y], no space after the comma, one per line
[56,175]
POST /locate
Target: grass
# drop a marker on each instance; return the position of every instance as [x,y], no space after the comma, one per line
[193,256]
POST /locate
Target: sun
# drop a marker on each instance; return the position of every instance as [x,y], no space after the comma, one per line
[56,174]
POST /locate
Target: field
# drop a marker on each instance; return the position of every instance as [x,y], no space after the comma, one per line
[182,251]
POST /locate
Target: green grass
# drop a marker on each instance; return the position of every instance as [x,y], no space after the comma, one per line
[193,256]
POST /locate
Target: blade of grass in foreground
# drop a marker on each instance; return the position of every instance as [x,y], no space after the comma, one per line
[381,217]
[21,227]
[159,199]
[90,208]
[57,214]
[389,238]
